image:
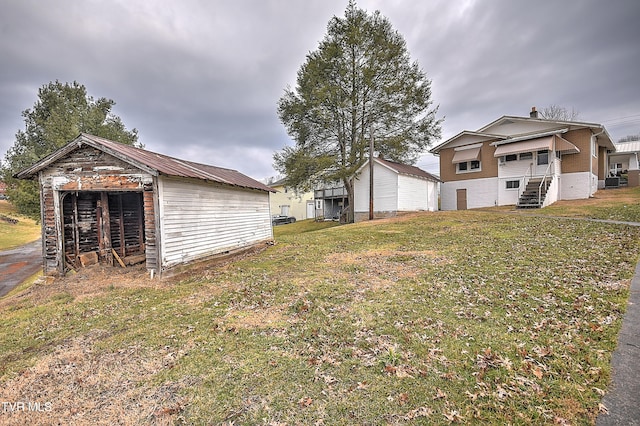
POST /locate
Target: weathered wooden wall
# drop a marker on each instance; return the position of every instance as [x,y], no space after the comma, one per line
[75,184]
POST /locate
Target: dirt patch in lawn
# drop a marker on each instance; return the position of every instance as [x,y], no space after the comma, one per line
[380,268]
[78,384]
[257,318]
[87,282]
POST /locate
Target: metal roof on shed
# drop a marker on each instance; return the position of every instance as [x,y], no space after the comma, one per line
[151,162]
[406,169]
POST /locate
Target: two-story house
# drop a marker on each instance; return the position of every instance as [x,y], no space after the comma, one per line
[287,202]
[523,161]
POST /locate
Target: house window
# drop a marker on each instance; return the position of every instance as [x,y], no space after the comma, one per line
[594,147]
[513,184]
[511,157]
[526,156]
[318,204]
[469,166]
[543,157]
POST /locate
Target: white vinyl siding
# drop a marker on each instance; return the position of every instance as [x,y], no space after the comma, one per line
[416,194]
[199,219]
[480,193]
[576,186]
[515,169]
[385,190]
[394,192]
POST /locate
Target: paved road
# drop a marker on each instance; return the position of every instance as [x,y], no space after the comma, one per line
[623,399]
[18,264]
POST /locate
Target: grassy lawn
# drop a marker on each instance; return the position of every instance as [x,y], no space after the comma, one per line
[433,318]
[15,229]
[622,204]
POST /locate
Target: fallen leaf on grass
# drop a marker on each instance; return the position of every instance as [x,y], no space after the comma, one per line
[402,373]
[403,398]
[453,416]
[418,412]
[603,408]
[440,394]
[305,402]
[389,369]
[167,411]
[537,372]
[472,396]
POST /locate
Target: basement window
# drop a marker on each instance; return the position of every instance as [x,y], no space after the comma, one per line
[513,184]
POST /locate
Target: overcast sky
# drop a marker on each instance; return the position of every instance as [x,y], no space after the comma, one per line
[200,79]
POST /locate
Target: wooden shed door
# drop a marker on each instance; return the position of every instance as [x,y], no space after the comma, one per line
[126,219]
[461,199]
[97,222]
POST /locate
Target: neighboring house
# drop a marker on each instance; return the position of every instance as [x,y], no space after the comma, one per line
[3,191]
[287,202]
[523,161]
[624,164]
[396,188]
[105,201]
[331,201]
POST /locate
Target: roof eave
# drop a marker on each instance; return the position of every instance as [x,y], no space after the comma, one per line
[529,136]
[97,145]
[436,150]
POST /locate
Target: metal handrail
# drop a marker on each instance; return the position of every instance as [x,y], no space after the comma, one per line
[525,181]
[544,179]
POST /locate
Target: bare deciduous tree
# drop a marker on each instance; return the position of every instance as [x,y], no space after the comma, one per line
[560,113]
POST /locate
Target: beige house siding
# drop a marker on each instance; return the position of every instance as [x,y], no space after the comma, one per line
[575,163]
[488,164]
[602,163]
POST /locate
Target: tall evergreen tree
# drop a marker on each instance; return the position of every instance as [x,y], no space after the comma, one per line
[61,113]
[359,84]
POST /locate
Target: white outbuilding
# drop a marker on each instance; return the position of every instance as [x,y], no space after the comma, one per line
[396,188]
[102,201]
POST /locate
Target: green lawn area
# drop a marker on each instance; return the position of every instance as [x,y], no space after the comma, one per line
[15,229]
[433,318]
[622,204]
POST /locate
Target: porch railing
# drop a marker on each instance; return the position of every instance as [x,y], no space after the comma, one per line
[525,180]
[547,175]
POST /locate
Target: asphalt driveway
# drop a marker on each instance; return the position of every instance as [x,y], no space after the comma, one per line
[18,264]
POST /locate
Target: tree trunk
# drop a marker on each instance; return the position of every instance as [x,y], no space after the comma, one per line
[349,210]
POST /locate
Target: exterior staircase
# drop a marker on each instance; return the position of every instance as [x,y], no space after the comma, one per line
[532,193]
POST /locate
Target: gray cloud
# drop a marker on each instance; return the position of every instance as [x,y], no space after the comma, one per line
[200,79]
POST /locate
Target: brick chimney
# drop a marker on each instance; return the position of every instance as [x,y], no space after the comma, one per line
[533,113]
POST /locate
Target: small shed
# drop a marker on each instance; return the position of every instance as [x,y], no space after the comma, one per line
[103,201]
[396,188]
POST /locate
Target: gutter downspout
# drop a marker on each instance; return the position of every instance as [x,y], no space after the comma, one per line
[593,139]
